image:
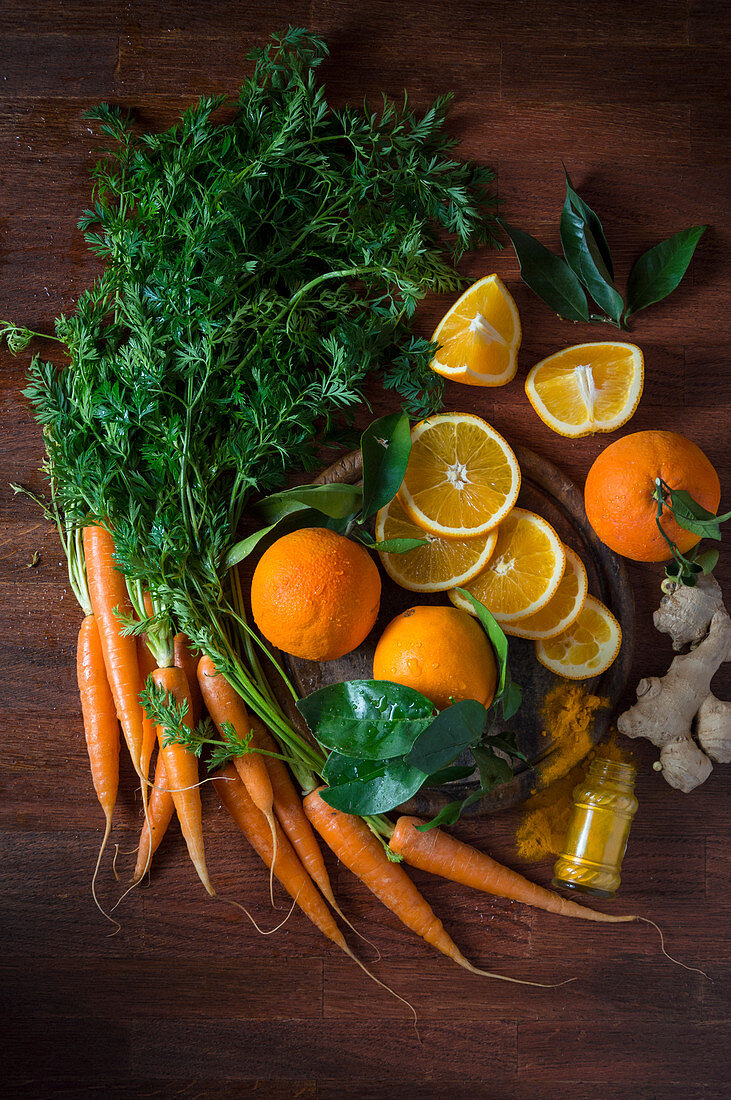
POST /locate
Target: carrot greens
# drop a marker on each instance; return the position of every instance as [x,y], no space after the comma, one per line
[261,259]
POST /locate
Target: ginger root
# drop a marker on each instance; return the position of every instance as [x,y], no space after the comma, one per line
[684,613]
[667,706]
[713,729]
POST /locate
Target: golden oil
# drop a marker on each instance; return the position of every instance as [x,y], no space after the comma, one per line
[604,806]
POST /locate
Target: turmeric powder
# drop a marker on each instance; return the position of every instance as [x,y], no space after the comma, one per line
[568,712]
[545,819]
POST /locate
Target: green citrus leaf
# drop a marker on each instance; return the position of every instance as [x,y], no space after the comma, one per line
[592,222]
[373,719]
[583,257]
[386,446]
[495,633]
[708,561]
[692,516]
[657,273]
[397,546]
[387,785]
[494,770]
[452,812]
[291,521]
[452,731]
[336,501]
[450,775]
[548,276]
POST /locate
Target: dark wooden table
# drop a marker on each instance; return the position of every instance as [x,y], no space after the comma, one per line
[188,1000]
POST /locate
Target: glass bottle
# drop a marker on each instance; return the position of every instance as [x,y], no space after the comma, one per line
[604,806]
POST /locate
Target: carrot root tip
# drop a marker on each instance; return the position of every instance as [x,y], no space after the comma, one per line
[372,976]
[694,969]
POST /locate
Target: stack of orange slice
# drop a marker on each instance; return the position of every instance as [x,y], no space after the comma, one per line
[459,494]
[462,480]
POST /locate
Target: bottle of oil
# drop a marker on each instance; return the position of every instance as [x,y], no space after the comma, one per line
[604,806]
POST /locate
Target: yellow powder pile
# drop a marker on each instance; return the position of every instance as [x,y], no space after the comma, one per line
[568,713]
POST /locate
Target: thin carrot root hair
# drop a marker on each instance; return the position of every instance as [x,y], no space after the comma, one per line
[334,905]
[148,822]
[384,985]
[180,790]
[694,969]
[98,904]
[260,930]
[161,811]
[275,846]
[342,945]
[144,784]
[130,889]
[504,978]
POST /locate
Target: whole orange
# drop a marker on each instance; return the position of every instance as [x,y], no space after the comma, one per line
[619,488]
[315,594]
[440,651]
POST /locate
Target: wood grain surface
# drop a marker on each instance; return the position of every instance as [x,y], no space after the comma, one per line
[188,1000]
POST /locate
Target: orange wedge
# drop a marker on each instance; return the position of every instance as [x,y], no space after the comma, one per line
[524,571]
[437,566]
[462,478]
[588,647]
[479,337]
[587,388]
[563,607]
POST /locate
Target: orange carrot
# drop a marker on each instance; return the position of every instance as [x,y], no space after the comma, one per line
[186,659]
[359,849]
[442,854]
[225,705]
[292,817]
[181,768]
[162,807]
[160,810]
[147,665]
[101,728]
[108,591]
[285,864]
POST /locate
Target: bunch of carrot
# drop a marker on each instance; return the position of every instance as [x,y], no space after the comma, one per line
[256,789]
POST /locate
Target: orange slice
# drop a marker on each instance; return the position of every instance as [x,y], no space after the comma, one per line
[587,388]
[588,647]
[479,336]
[524,571]
[462,478]
[436,567]
[563,607]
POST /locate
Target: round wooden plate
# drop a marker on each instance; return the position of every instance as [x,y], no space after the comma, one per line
[547,491]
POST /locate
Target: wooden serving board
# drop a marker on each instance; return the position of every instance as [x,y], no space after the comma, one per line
[547,491]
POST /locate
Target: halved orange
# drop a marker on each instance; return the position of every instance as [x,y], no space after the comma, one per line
[588,647]
[436,567]
[563,607]
[524,571]
[587,388]
[479,336]
[462,478]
